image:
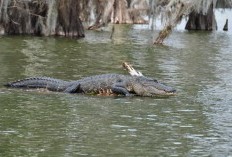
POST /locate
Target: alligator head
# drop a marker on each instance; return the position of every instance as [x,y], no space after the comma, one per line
[145,86]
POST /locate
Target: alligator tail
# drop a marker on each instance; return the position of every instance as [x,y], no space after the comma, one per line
[38,82]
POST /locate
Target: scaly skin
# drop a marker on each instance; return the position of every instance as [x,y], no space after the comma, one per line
[106,84]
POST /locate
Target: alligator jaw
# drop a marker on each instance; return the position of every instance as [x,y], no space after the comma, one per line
[169,92]
[162,93]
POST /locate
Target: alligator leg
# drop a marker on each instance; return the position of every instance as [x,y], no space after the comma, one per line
[73,88]
[119,88]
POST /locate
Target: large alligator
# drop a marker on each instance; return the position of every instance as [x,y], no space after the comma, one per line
[105,84]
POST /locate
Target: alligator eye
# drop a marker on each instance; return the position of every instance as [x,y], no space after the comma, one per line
[119,80]
[155,80]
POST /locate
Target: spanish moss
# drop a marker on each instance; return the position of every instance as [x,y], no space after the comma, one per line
[41,17]
[200,14]
[67,17]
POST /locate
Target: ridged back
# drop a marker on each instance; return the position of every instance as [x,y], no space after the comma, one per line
[38,82]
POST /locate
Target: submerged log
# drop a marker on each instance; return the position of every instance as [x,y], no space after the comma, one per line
[164,33]
[41,17]
[175,11]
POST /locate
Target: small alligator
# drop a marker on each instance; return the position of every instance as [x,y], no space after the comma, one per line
[105,84]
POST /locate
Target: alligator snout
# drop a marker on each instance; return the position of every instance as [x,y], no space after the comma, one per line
[171,92]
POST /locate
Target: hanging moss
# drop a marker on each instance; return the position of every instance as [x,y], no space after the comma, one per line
[200,21]
[98,13]
[23,17]
[200,14]
[41,17]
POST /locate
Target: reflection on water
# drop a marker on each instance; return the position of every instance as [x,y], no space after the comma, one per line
[196,122]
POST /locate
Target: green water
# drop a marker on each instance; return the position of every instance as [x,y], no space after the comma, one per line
[196,122]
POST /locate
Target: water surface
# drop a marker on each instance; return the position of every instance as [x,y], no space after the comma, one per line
[196,122]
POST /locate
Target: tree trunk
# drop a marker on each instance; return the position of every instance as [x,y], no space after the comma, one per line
[199,21]
[120,12]
[225,28]
[68,18]
[41,17]
[115,11]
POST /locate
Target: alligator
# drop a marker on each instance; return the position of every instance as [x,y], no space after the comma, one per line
[104,84]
